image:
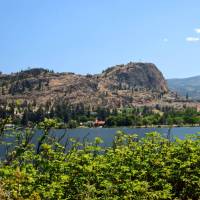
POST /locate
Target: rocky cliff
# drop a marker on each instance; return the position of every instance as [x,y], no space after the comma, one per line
[135,75]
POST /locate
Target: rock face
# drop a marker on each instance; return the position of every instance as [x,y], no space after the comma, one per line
[136,75]
[121,85]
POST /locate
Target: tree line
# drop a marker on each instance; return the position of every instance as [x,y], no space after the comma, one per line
[29,114]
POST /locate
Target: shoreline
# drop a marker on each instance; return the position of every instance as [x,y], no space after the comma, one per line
[120,127]
[148,126]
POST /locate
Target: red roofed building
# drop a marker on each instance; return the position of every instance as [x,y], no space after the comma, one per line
[98,123]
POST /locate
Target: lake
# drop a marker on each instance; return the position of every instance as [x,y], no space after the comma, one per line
[107,134]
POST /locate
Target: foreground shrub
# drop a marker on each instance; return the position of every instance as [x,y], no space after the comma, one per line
[149,168]
[3,194]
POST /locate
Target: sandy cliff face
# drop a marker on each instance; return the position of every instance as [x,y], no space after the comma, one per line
[121,85]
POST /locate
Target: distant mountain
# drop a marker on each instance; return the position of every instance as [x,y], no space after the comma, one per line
[186,86]
[122,85]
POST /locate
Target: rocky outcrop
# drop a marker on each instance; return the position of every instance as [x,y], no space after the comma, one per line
[135,75]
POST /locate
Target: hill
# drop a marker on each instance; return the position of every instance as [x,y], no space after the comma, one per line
[186,86]
[133,84]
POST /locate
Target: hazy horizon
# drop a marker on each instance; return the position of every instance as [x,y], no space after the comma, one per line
[89,36]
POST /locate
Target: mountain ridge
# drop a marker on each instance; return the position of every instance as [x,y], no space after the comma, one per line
[132,84]
[186,86]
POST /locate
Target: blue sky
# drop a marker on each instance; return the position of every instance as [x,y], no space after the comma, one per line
[87,36]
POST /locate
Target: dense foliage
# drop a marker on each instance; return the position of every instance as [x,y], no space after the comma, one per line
[148,168]
[29,114]
[148,117]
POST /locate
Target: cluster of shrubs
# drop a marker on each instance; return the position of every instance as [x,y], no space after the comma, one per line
[149,168]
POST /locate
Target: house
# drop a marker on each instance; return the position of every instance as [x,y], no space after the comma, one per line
[99,123]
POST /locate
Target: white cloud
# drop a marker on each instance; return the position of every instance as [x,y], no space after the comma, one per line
[197,30]
[165,40]
[192,39]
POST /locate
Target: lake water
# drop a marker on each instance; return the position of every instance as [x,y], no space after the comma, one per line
[107,134]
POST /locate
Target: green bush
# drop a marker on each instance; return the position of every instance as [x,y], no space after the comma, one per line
[72,124]
[149,168]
